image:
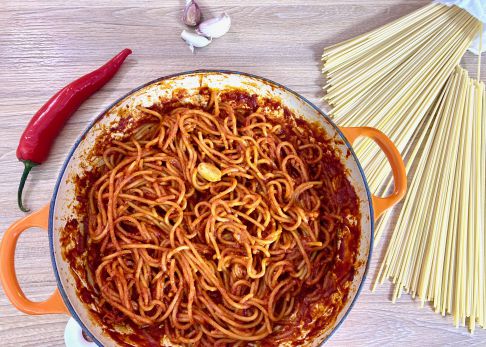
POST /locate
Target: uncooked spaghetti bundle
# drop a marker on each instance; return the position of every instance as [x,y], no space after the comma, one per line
[404,78]
[437,251]
[389,78]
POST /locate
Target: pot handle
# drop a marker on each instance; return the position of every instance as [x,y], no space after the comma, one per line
[8,277]
[380,204]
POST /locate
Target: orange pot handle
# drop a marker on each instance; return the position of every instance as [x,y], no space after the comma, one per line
[380,205]
[7,274]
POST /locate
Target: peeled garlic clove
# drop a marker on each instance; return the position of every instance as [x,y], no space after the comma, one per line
[194,40]
[215,27]
[209,172]
[192,13]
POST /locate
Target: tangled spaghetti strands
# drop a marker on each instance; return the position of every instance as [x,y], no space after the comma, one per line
[233,261]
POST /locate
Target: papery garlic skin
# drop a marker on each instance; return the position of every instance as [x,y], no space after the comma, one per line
[215,27]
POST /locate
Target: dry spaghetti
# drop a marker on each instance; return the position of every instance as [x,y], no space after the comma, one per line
[390,77]
[403,78]
[220,225]
[437,249]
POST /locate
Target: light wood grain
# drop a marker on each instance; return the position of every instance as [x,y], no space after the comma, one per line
[44,44]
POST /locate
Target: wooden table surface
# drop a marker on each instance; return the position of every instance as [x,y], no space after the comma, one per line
[45,44]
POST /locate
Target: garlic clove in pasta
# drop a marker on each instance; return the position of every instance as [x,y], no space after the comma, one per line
[192,13]
[215,27]
[194,40]
[209,172]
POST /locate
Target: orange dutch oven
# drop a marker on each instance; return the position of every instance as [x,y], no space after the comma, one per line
[53,216]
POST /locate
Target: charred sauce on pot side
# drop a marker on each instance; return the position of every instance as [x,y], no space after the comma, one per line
[312,319]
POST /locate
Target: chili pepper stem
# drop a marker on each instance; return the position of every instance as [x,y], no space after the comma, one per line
[28,165]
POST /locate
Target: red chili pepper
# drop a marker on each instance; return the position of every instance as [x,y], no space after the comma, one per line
[37,139]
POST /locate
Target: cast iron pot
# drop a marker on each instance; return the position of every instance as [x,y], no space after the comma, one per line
[53,216]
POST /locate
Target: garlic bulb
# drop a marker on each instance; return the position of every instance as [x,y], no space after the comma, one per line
[192,13]
[194,40]
[215,27]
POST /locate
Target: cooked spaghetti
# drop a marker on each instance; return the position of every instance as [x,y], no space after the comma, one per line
[215,226]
